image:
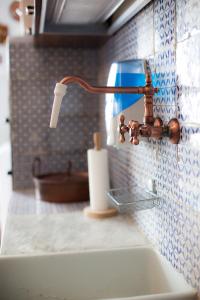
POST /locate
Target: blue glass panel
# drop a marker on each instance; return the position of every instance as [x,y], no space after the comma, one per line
[123,74]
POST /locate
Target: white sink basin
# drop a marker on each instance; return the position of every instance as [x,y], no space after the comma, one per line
[138,274]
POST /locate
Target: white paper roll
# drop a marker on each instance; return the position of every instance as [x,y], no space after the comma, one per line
[98,179]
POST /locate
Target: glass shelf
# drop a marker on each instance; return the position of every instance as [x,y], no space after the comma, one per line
[133,198]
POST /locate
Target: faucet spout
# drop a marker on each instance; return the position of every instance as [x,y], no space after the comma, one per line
[151,127]
[148,90]
[59,93]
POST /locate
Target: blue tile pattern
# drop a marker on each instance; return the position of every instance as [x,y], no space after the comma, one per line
[174,226]
[34,72]
[164,24]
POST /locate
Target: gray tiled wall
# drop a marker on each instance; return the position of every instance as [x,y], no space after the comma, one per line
[167,34]
[34,72]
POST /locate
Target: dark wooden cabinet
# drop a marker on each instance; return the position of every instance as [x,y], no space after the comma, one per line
[81,23]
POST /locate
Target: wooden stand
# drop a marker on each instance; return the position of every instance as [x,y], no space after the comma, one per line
[96,214]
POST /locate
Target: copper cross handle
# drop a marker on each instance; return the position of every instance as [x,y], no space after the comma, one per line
[122,129]
[134,132]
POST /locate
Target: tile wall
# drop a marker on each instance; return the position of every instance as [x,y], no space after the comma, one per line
[34,72]
[167,34]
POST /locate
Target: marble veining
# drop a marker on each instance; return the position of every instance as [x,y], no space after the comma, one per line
[38,227]
[72,231]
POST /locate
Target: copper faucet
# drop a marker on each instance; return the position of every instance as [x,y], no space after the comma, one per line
[151,127]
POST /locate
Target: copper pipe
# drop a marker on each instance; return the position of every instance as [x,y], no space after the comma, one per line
[148,91]
[145,90]
[148,110]
[152,127]
[157,130]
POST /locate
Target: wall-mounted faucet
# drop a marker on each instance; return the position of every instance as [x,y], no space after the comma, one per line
[151,127]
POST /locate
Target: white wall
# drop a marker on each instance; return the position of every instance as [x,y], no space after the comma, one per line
[5,183]
[5,152]
[14,30]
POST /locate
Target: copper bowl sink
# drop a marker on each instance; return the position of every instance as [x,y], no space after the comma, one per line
[61,187]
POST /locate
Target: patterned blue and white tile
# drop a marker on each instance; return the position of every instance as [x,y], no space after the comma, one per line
[164,26]
[161,6]
[165,68]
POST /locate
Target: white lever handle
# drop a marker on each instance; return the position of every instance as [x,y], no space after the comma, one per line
[59,92]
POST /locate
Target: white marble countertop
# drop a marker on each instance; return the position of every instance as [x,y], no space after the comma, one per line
[38,227]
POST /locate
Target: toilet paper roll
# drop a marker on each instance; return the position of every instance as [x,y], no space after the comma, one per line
[98,179]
